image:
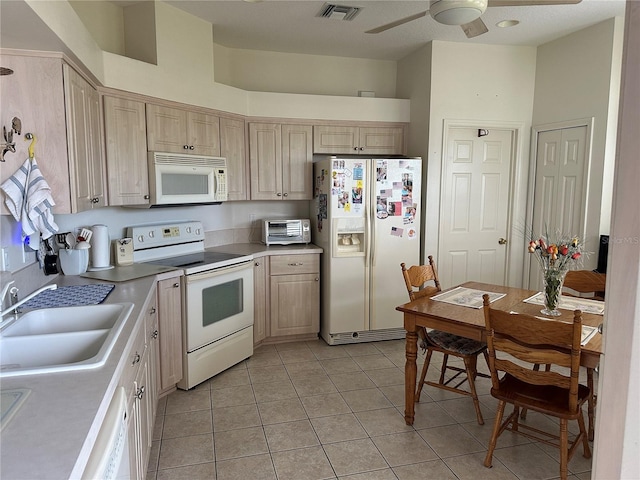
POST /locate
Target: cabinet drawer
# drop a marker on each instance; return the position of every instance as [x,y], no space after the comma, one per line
[134,358]
[294,264]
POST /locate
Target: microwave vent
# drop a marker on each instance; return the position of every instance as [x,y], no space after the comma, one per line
[193,160]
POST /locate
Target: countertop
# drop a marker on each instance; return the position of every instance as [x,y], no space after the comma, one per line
[53,432]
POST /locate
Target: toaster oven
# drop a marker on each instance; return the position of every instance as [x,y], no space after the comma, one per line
[285,232]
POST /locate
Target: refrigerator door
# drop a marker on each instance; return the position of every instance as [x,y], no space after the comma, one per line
[395,238]
[339,228]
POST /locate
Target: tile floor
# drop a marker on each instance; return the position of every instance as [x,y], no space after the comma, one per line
[306,410]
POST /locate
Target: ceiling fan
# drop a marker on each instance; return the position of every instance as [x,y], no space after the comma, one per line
[466,13]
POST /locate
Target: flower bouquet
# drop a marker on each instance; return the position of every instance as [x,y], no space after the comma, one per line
[555,260]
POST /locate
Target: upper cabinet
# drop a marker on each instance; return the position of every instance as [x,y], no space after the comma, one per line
[182,131]
[233,148]
[126,151]
[86,163]
[359,140]
[281,159]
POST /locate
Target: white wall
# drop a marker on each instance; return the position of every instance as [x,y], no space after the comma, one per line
[105,21]
[263,71]
[617,445]
[479,84]
[578,76]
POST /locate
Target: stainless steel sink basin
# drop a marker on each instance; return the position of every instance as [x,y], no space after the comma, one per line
[61,339]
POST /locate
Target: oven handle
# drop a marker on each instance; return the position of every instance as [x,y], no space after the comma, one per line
[219,271]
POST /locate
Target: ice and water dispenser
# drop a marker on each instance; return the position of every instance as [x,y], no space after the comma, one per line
[349,237]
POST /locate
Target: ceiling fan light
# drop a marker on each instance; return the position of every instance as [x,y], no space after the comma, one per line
[456,12]
[507,23]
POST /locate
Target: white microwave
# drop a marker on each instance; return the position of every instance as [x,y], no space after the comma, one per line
[178,179]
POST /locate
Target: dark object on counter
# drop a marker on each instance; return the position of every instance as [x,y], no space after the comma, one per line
[50,264]
[71,296]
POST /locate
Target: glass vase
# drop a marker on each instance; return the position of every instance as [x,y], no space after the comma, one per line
[553,280]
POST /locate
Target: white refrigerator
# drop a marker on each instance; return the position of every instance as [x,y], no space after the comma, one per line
[366,217]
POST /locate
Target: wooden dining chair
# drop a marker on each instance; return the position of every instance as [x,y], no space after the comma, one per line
[585,284]
[528,340]
[422,280]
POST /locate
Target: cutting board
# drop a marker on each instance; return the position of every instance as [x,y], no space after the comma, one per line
[128,272]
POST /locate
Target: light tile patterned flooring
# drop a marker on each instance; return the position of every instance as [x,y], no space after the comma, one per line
[307,410]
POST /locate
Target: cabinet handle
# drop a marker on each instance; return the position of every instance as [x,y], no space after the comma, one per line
[147,197]
[153,310]
[176,285]
[279,194]
[140,393]
[317,279]
[95,200]
[136,358]
[257,264]
[286,195]
[154,335]
[296,264]
[355,148]
[191,147]
[361,148]
[186,147]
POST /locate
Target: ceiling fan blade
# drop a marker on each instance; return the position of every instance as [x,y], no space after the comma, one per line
[475,28]
[529,3]
[402,21]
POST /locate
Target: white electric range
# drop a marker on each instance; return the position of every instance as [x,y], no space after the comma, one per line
[217,296]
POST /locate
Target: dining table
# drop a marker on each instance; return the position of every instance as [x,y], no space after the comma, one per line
[467,320]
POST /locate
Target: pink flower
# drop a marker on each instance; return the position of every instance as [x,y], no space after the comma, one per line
[543,245]
[576,256]
[564,250]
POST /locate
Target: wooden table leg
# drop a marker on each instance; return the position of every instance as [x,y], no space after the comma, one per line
[410,370]
[591,403]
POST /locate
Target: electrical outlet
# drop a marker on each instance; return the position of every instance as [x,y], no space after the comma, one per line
[252,219]
[5,264]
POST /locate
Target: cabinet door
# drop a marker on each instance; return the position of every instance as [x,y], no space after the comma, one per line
[203,134]
[166,129]
[232,147]
[34,93]
[295,304]
[335,139]
[170,327]
[143,414]
[126,146]
[297,162]
[83,140]
[381,140]
[259,300]
[265,153]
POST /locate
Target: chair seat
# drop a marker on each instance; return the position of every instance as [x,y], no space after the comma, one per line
[455,343]
[543,398]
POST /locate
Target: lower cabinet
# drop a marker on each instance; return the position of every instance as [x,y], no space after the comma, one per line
[287,296]
[170,334]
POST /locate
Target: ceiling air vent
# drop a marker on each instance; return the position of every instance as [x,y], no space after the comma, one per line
[341,12]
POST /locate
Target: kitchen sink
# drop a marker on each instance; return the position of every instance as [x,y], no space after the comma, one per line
[61,339]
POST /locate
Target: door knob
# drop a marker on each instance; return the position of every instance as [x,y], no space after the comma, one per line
[502,241]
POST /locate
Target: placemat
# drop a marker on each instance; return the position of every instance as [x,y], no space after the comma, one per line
[467,297]
[71,296]
[571,303]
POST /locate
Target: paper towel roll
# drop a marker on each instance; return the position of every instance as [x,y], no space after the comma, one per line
[100,244]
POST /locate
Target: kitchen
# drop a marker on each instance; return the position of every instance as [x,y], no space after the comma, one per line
[224,222]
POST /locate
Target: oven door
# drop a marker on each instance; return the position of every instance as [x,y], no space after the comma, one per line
[218,303]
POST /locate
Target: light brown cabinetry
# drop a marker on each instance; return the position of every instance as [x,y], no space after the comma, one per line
[281,160]
[294,294]
[126,151]
[170,333]
[182,131]
[360,140]
[260,300]
[86,163]
[233,148]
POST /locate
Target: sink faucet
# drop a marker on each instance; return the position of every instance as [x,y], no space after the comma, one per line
[14,308]
[14,294]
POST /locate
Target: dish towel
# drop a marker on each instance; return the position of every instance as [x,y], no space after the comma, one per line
[28,198]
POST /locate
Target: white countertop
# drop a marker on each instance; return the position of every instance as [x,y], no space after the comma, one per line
[52,433]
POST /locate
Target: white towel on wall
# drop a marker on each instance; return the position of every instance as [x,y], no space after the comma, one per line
[29,199]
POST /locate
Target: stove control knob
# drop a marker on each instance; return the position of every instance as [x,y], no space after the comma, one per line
[141,238]
[188,229]
[151,234]
[197,231]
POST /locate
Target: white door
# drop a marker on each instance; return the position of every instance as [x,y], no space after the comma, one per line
[475,206]
[558,195]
